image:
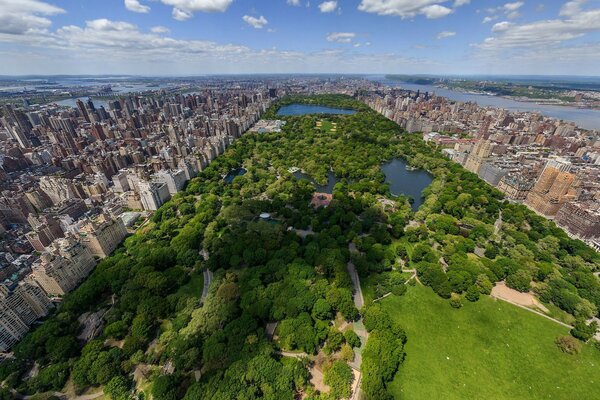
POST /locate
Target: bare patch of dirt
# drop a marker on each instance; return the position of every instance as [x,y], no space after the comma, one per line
[501,291]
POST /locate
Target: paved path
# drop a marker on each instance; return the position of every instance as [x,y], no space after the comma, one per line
[291,354]
[536,312]
[498,223]
[208,276]
[359,301]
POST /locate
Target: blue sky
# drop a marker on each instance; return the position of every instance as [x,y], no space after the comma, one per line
[175,37]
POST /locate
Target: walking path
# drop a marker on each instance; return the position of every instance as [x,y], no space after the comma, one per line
[358,326]
[535,311]
[208,276]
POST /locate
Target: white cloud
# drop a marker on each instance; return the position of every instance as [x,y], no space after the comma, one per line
[458,3]
[136,6]
[293,2]
[76,49]
[571,8]
[489,19]
[181,15]
[328,6]
[22,16]
[436,11]
[445,34]
[513,6]
[257,23]
[160,29]
[542,33]
[341,37]
[185,9]
[408,8]
[502,26]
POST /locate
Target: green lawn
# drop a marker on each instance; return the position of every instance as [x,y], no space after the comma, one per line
[485,350]
[194,286]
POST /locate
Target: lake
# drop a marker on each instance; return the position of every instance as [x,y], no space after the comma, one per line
[303,109]
[587,119]
[233,174]
[328,188]
[405,182]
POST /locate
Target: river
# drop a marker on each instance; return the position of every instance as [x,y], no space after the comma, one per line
[584,118]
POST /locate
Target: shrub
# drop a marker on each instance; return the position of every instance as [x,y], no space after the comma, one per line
[583,331]
[568,344]
[455,301]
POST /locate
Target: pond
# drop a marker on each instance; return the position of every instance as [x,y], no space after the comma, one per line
[328,188]
[303,109]
[233,173]
[407,182]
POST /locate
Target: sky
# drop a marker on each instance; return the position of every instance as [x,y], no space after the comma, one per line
[196,37]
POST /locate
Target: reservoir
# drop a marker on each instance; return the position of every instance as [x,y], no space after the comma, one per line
[405,182]
[584,118]
[303,109]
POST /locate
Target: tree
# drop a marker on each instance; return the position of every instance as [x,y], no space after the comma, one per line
[118,388]
[483,284]
[322,310]
[346,353]
[335,339]
[166,387]
[352,338]
[472,293]
[520,280]
[339,378]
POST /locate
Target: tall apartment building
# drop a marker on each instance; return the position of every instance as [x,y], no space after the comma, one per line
[19,308]
[481,151]
[102,235]
[174,179]
[153,195]
[553,188]
[60,270]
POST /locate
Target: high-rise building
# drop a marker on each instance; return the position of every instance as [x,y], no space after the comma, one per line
[174,179]
[19,308]
[553,188]
[60,270]
[102,235]
[153,195]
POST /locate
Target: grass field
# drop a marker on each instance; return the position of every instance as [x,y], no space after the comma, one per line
[194,286]
[485,350]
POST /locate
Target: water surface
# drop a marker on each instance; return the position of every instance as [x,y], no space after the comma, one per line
[303,109]
[584,118]
[328,188]
[233,174]
[405,182]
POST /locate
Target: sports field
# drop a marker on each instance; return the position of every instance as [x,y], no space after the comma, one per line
[486,350]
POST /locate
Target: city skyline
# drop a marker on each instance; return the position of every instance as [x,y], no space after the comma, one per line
[196,37]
